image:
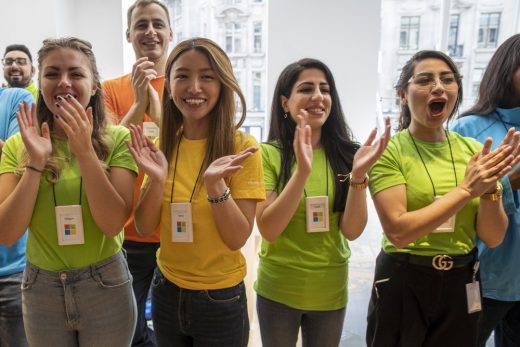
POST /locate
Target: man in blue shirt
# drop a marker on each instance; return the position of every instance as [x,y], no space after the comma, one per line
[12,259]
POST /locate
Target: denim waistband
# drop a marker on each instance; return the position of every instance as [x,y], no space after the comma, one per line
[73,275]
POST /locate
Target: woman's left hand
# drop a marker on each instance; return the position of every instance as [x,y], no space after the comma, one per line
[76,122]
[369,153]
[226,166]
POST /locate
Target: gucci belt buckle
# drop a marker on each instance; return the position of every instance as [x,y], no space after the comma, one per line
[442,262]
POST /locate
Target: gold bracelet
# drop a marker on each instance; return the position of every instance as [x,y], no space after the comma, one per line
[33,168]
[360,185]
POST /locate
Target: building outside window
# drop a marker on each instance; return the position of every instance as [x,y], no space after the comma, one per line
[409,33]
[257,91]
[233,38]
[454,48]
[257,37]
[488,30]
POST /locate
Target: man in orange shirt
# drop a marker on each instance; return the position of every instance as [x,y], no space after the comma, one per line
[135,98]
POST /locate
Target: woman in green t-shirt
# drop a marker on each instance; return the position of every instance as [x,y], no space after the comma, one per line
[68,178]
[425,188]
[302,277]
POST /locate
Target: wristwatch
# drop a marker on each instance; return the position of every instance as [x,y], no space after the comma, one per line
[495,196]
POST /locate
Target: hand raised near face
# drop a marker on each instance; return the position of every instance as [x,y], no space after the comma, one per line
[142,73]
[226,166]
[37,140]
[369,153]
[76,122]
[148,157]
[302,143]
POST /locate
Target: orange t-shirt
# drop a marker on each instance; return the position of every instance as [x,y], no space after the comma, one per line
[119,97]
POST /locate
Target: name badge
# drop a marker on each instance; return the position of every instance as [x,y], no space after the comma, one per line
[182,227]
[448,226]
[69,224]
[473,292]
[317,210]
[150,129]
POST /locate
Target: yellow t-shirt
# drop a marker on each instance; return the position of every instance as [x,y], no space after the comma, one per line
[206,263]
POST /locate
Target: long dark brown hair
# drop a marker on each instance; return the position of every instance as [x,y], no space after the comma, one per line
[336,137]
[408,71]
[221,138]
[496,88]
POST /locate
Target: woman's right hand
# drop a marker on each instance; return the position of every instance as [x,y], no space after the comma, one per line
[37,141]
[302,144]
[147,156]
[486,167]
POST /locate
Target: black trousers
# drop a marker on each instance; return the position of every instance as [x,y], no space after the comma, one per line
[419,306]
[141,263]
[504,318]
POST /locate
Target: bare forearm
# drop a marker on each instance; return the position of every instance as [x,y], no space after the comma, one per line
[232,225]
[275,217]
[148,212]
[17,209]
[491,222]
[410,226]
[354,219]
[108,208]
[134,116]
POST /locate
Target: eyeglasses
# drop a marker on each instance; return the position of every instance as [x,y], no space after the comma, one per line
[10,61]
[426,81]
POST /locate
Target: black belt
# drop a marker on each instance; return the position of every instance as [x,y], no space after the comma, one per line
[442,262]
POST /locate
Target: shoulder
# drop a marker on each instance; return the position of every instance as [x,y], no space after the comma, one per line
[13,143]
[118,82]
[244,140]
[466,142]
[15,95]
[117,133]
[474,125]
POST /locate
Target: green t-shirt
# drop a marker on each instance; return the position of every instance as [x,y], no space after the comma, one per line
[42,244]
[307,271]
[401,164]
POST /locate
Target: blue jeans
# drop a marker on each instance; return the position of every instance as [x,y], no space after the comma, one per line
[183,317]
[504,318]
[12,333]
[142,263]
[91,306]
[279,325]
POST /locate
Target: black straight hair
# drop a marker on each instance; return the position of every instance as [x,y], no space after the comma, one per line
[336,137]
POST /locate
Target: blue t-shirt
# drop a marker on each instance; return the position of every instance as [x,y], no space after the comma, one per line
[12,259]
[499,273]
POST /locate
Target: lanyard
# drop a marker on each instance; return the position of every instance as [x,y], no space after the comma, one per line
[424,164]
[326,178]
[80,186]
[175,172]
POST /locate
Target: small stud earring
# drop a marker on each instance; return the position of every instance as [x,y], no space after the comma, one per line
[285,115]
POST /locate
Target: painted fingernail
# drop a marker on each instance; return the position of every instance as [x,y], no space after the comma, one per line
[57,105]
[56,116]
[69,96]
[59,97]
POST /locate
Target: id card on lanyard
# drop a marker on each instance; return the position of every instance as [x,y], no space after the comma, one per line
[317,208]
[447,226]
[69,221]
[181,212]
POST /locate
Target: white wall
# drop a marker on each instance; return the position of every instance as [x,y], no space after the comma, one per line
[344,35]
[99,21]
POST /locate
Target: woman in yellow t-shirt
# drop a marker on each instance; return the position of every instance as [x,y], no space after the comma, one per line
[201,189]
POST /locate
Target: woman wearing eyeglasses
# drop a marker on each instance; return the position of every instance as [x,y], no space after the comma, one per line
[426,189]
